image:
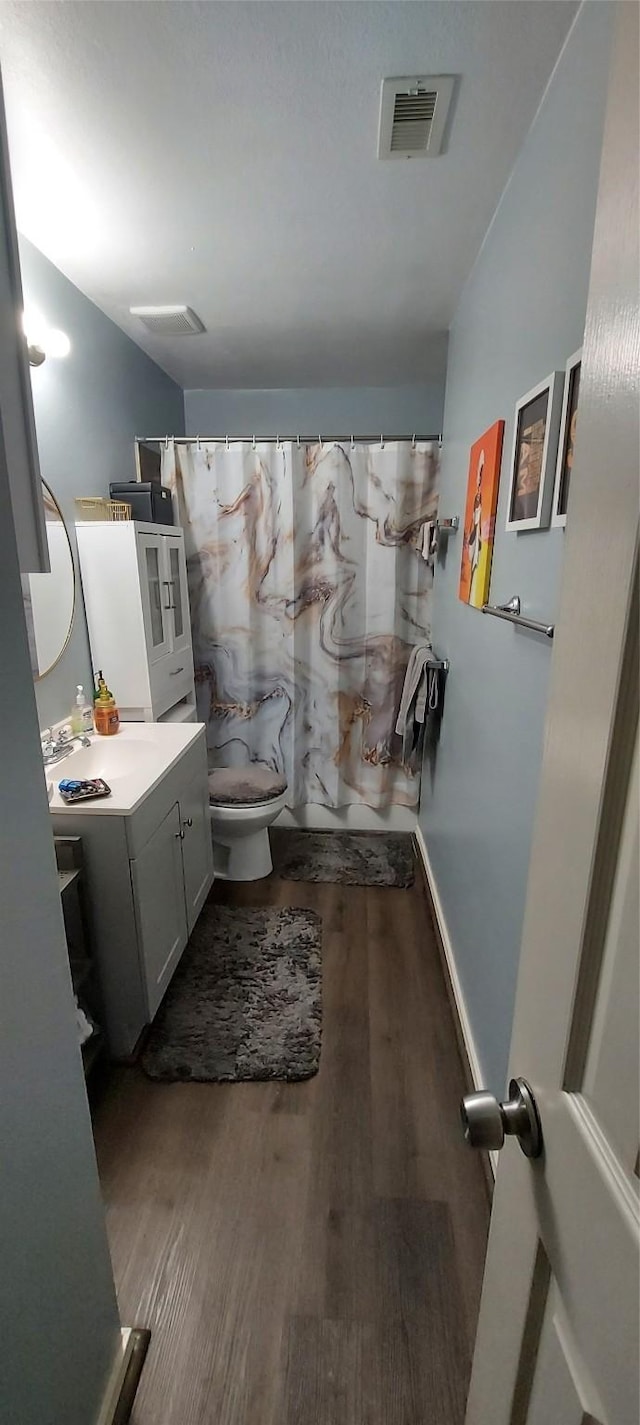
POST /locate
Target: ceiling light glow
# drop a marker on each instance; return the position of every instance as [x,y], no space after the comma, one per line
[57,343]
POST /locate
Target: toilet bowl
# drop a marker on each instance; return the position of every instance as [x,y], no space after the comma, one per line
[243,802]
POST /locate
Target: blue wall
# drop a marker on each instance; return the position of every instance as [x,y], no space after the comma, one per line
[88,409]
[521,315]
[331,411]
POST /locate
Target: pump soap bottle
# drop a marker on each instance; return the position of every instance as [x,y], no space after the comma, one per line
[105,713]
[81,714]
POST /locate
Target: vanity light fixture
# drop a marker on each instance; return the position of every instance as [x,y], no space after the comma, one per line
[43,340]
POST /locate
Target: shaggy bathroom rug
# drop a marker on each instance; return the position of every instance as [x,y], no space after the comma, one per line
[245,1001]
[347,858]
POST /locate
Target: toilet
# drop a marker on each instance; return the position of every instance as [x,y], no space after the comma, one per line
[243,802]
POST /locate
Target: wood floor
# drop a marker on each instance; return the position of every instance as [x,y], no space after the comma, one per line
[308,1254]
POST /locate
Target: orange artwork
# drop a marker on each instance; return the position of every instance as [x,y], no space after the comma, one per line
[480,516]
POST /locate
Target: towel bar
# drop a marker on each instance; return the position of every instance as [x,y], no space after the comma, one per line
[447,527]
[511,613]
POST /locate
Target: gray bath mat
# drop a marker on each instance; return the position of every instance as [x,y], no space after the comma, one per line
[348,858]
[245,1001]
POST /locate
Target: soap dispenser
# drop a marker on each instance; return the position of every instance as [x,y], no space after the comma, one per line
[81,714]
[105,713]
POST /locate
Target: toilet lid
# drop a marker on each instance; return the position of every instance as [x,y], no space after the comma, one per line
[244,786]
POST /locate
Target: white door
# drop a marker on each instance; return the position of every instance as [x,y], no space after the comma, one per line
[159,903]
[176,575]
[16,396]
[197,850]
[557,1340]
[155,590]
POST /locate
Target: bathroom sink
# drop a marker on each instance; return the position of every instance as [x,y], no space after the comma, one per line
[132,762]
[109,757]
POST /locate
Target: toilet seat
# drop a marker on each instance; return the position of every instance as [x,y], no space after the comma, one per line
[244,787]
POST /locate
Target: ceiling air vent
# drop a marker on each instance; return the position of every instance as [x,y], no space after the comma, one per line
[413,114]
[169,321]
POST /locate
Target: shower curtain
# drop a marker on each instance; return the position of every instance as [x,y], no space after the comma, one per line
[308,589]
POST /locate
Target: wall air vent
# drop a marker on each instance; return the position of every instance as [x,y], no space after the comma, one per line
[413,114]
[169,321]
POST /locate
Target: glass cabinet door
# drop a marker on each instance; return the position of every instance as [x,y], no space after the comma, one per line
[156,595]
[177,573]
[176,589]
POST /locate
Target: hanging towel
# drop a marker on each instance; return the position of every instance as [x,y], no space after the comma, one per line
[428,694]
[429,541]
[421,702]
[407,724]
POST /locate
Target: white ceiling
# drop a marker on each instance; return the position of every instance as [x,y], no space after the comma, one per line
[224,155]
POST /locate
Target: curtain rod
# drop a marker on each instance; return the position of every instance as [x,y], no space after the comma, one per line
[278,439]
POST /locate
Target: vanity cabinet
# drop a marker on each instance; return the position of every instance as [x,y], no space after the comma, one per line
[148,875]
[158,880]
[171,878]
[196,846]
[134,581]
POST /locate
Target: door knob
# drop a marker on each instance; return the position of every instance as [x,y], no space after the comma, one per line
[485,1121]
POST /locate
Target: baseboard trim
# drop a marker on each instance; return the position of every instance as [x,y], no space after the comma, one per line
[123,1382]
[464,1033]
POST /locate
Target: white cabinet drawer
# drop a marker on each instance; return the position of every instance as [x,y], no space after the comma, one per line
[171,678]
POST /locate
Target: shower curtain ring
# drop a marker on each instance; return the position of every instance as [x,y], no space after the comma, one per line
[298,441]
[413,442]
[353,444]
[166,442]
[197,442]
[382,442]
[226,442]
[253,442]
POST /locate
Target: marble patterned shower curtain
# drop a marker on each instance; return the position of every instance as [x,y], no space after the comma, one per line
[308,589]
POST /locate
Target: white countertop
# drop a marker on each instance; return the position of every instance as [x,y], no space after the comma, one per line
[132,761]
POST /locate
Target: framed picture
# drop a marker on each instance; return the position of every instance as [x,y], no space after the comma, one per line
[480,516]
[567,440]
[533,462]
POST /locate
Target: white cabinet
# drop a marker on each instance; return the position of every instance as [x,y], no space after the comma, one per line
[134,581]
[165,597]
[159,893]
[196,846]
[148,875]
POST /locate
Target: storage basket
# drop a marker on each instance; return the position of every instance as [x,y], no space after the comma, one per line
[99,509]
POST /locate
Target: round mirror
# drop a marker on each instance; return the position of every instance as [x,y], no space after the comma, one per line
[49,599]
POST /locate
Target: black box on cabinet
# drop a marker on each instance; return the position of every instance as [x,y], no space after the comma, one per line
[150,503]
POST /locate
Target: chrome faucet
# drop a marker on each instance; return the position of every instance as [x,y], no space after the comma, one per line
[63,745]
